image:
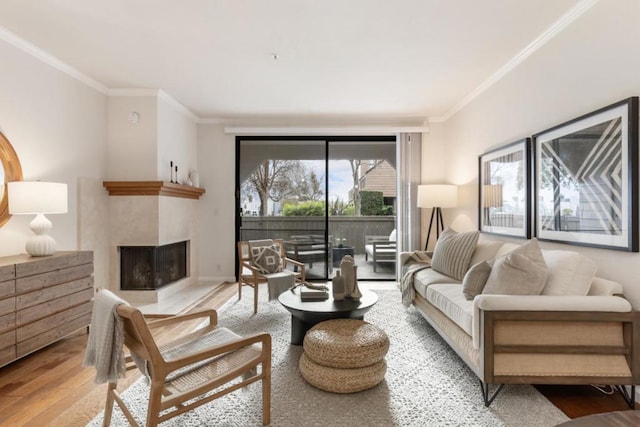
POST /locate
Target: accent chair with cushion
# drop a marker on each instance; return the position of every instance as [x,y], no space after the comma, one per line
[261,259]
[182,372]
[380,249]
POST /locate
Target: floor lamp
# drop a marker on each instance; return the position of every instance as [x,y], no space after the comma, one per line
[437,196]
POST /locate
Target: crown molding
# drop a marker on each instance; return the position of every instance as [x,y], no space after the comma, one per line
[133,92]
[324,130]
[557,27]
[160,94]
[177,105]
[50,60]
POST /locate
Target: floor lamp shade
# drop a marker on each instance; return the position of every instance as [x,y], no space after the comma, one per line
[437,196]
[38,198]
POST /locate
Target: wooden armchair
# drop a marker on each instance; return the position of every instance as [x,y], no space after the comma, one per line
[250,275]
[183,371]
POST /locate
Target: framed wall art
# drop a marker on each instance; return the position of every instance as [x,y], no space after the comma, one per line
[586,179]
[504,190]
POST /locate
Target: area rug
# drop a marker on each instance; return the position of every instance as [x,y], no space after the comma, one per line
[426,384]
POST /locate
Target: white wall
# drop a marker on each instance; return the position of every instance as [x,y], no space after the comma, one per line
[133,148]
[591,64]
[217,165]
[177,141]
[57,125]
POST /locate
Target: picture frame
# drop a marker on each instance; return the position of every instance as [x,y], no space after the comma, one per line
[504,190]
[586,179]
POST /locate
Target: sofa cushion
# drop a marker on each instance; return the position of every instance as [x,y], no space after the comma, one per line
[485,250]
[570,273]
[506,248]
[520,272]
[600,286]
[448,299]
[427,277]
[475,279]
[453,252]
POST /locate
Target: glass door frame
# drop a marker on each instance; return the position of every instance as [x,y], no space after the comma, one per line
[328,139]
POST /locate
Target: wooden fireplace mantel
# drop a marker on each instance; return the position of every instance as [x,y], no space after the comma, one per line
[152,188]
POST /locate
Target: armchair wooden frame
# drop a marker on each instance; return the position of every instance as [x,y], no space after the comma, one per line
[381,249]
[249,275]
[216,366]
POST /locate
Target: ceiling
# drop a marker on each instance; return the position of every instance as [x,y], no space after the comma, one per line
[316,60]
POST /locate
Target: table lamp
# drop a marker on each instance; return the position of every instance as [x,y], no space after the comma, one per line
[437,196]
[38,198]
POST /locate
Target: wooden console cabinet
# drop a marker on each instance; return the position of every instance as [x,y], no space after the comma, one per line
[43,299]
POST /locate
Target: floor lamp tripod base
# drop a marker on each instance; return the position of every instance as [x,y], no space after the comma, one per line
[437,213]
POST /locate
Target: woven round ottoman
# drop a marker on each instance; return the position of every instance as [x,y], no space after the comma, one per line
[344,355]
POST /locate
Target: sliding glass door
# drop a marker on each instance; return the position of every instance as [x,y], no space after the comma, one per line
[325,197]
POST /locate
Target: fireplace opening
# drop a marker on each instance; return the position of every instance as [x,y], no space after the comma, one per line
[152,267]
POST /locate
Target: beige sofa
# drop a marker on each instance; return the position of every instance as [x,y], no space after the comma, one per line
[590,337]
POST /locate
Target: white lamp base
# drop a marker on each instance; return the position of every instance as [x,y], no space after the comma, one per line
[41,244]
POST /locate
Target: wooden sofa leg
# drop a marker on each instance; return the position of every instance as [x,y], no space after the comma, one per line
[485,393]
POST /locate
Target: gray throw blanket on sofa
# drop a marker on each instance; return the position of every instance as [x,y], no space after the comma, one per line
[418,260]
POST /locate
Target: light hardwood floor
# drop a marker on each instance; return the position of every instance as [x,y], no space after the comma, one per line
[51,388]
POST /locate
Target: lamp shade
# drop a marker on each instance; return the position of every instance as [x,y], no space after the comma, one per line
[34,197]
[492,195]
[437,196]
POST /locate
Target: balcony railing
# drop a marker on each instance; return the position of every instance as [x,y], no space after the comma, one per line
[346,230]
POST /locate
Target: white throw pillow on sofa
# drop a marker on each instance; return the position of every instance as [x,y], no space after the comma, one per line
[570,273]
[520,272]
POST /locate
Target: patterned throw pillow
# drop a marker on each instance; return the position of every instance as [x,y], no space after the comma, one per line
[266,258]
[453,252]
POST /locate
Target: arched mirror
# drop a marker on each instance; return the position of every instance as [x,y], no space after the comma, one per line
[10,170]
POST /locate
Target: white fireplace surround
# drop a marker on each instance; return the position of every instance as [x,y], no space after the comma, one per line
[152,221]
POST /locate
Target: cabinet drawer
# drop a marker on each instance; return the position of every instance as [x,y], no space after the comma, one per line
[48,308]
[60,260]
[39,281]
[7,272]
[7,355]
[7,339]
[7,322]
[43,295]
[25,347]
[56,321]
[7,288]
[7,305]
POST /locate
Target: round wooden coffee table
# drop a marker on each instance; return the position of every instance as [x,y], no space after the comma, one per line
[306,314]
